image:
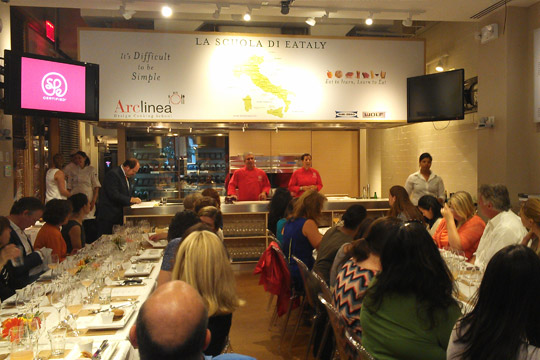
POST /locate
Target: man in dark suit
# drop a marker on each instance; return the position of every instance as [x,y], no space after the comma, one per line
[24,213]
[115,194]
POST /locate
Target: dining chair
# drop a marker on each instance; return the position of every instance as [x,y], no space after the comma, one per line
[327,334]
[348,345]
[311,288]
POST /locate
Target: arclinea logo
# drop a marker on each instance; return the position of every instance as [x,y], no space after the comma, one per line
[54,86]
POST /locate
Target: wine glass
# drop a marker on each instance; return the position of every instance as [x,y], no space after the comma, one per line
[53,264]
[57,297]
[74,304]
[86,278]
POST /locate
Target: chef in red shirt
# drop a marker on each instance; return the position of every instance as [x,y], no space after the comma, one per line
[305,178]
[249,183]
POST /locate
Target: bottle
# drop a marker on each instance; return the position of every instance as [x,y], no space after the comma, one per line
[375,195]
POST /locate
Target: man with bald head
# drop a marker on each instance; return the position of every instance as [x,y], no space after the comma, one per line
[249,183]
[172,325]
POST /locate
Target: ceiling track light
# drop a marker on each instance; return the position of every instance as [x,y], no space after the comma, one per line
[369,19]
[440,66]
[286,6]
[408,21]
[311,21]
[166,11]
[217,13]
[247,15]
[326,15]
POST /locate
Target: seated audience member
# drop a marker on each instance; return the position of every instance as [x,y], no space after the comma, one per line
[281,222]
[7,252]
[203,202]
[212,217]
[408,311]
[202,262]
[335,237]
[341,255]
[301,233]
[401,206]
[276,208]
[213,194]
[73,232]
[23,214]
[504,323]
[193,202]
[530,218]
[190,200]
[172,325]
[49,236]
[178,227]
[503,228]
[461,229]
[356,274]
[430,207]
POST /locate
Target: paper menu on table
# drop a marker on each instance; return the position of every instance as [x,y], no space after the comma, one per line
[128,291]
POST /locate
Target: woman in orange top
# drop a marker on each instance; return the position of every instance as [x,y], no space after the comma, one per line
[56,214]
[461,228]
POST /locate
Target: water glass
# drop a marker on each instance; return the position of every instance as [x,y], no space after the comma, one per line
[57,337]
[21,343]
[105,296]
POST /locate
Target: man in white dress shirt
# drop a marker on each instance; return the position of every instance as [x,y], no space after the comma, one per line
[503,228]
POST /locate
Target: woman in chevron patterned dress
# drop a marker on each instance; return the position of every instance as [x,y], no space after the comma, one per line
[355,275]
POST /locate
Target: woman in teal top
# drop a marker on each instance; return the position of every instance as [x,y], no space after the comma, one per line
[409,311]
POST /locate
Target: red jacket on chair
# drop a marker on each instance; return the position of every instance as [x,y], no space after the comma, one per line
[275,277]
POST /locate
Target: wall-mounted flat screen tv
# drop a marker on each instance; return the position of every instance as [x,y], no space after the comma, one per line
[44,86]
[435,97]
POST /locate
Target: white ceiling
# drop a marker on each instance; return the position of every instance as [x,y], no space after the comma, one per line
[341,11]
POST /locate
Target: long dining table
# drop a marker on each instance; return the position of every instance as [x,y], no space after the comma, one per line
[90,326]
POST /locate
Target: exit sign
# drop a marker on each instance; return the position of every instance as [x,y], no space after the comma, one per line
[49,27]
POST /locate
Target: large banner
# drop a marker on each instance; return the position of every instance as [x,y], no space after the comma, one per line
[153,76]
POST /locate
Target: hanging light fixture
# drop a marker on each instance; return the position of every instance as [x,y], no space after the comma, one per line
[311,21]
[247,15]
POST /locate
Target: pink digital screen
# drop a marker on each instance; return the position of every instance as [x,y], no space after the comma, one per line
[52,86]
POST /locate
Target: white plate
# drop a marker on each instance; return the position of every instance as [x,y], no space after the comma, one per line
[150,254]
[160,244]
[145,272]
[95,322]
[107,354]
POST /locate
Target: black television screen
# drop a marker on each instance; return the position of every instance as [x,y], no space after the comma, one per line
[435,97]
[44,86]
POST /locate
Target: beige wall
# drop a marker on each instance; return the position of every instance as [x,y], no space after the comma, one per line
[6,146]
[463,156]
[393,153]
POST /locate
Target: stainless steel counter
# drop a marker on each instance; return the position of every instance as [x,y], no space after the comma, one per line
[259,207]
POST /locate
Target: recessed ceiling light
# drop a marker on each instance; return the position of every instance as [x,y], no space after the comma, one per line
[166,11]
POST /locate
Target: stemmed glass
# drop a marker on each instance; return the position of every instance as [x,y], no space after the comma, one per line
[55,261]
[74,304]
[86,276]
[57,297]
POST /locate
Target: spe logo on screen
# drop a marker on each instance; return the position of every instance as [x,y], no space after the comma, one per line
[54,86]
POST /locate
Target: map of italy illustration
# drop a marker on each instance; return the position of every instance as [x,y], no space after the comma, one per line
[252,70]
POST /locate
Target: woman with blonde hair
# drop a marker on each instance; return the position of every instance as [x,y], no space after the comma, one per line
[301,232]
[530,217]
[461,228]
[202,262]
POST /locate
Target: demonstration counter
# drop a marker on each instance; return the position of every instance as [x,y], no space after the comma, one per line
[245,222]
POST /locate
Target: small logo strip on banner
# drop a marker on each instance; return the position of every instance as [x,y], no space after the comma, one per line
[346,114]
[373,114]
